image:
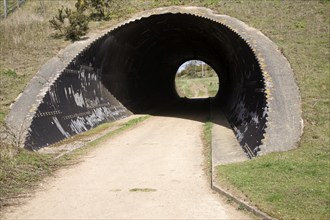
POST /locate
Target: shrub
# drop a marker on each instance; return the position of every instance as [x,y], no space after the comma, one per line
[70,24]
[98,9]
[74,24]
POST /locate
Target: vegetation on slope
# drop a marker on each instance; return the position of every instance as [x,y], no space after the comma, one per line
[288,185]
[295,184]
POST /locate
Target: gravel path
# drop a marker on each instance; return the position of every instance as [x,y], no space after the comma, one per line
[154,171]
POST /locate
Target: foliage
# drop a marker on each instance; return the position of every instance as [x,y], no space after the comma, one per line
[70,24]
[98,9]
[74,24]
[195,69]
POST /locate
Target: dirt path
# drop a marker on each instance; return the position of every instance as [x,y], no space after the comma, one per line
[153,171]
[200,91]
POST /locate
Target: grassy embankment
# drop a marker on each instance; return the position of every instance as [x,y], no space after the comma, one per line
[295,184]
[25,44]
[288,185]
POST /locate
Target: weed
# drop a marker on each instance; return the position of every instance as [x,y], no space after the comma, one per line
[8,73]
[299,24]
[142,190]
[241,207]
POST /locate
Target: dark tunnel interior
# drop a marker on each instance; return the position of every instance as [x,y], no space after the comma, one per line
[137,64]
[141,59]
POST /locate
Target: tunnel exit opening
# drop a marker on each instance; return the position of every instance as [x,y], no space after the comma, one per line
[196,79]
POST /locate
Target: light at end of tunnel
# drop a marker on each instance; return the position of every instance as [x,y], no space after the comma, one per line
[196,79]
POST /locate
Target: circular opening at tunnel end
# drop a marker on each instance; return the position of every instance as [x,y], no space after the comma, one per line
[196,79]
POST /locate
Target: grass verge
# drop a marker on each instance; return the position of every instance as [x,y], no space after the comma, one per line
[294,184]
[207,148]
[23,172]
[283,185]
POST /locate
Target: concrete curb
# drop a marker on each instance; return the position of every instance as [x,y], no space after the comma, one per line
[246,205]
[227,153]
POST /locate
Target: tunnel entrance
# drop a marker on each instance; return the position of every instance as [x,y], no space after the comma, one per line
[132,69]
[140,61]
[137,64]
[196,79]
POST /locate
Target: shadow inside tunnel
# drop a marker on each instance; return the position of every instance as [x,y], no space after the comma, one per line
[225,145]
[196,109]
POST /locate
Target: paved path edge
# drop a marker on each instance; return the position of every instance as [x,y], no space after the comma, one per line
[235,158]
[242,203]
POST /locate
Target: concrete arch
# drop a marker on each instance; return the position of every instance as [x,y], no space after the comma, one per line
[131,68]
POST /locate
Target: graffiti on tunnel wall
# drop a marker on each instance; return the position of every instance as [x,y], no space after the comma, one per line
[128,55]
[76,102]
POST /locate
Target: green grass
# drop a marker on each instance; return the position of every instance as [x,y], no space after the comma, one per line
[284,185]
[207,148]
[24,171]
[25,45]
[197,87]
[295,184]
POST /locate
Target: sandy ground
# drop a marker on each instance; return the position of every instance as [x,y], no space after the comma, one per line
[154,171]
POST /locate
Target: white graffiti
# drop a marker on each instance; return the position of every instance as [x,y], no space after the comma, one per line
[59,127]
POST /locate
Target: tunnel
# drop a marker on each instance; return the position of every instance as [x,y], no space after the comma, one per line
[131,69]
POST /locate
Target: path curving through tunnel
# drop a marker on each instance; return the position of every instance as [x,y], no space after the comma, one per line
[132,67]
